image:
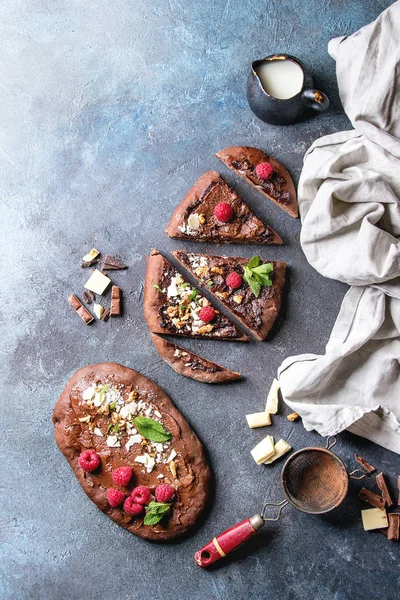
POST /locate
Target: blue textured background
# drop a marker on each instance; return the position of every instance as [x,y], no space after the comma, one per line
[110,110]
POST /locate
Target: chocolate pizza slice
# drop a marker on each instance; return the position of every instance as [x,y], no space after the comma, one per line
[132,451]
[263,172]
[192,365]
[250,289]
[174,306]
[213,212]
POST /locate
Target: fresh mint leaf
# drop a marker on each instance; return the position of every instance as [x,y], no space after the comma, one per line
[155,285]
[255,287]
[264,269]
[253,262]
[151,429]
[263,280]
[192,295]
[210,283]
[155,512]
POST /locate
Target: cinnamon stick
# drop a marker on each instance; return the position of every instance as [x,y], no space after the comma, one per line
[371,498]
[394,526]
[366,466]
[382,485]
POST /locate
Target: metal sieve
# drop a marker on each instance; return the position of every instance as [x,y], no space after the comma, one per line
[313,480]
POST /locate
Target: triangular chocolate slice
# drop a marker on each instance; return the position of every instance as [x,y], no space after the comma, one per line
[191,365]
[257,313]
[194,217]
[279,187]
[172,305]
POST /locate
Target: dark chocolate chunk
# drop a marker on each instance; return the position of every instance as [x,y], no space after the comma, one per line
[89,263]
[106,315]
[115,301]
[87,298]
[371,498]
[80,309]
[112,264]
[366,466]
[382,485]
[394,526]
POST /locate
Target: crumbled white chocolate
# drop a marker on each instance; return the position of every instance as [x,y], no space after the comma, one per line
[160,476]
[128,409]
[113,441]
[97,431]
[171,456]
[148,411]
[146,460]
[134,439]
[85,419]
[193,222]
[98,310]
[88,394]
[177,352]
[91,255]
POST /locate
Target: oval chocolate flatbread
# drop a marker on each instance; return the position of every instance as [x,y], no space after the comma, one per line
[194,219]
[97,411]
[172,305]
[192,365]
[279,188]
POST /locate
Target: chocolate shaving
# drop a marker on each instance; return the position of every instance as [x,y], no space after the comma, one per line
[106,315]
[115,301]
[366,466]
[112,264]
[371,498]
[382,485]
[394,526]
[87,298]
[93,296]
[89,263]
[80,309]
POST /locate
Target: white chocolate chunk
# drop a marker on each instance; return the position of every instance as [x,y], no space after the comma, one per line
[97,282]
[88,394]
[193,221]
[280,449]
[98,310]
[263,450]
[273,398]
[113,441]
[171,456]
[374,518]
[91,255]
[97,431]
[260,419]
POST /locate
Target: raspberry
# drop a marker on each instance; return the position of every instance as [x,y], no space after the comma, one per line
[132,508]
[224,212]
[164,492]
[207,314]
[264,170]
[122,475]
[234,280]
[115,497]
[141,495]
[89,460]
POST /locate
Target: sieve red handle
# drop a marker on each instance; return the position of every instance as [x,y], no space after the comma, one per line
[228,541]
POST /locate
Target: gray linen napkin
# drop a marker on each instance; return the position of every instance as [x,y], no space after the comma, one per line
[349,197]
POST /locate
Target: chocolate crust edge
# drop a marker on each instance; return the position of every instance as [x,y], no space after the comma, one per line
[194,450]
[166,351]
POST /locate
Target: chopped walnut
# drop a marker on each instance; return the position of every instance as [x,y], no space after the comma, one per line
[172,311]
[222,295]
[237,298]
[202,219]
[293,416]
[172,467]
[217,270]
[206,302]
[202,271]
[205,328]
[132,396]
